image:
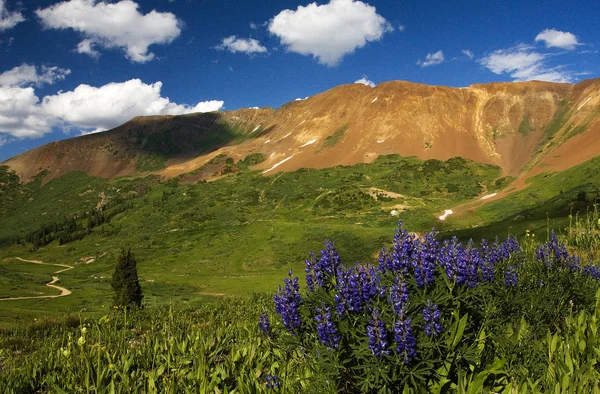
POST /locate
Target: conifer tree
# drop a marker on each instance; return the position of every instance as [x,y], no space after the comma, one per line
[125,282]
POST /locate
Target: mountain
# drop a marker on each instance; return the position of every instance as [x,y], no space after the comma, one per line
[519,126]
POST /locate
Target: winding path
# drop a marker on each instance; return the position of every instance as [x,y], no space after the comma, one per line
[63,291]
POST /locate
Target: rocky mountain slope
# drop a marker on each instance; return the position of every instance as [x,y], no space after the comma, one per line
[521,127]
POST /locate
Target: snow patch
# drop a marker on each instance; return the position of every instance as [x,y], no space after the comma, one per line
[375,99]
[301,123]
[309,143]
[488,196]
[267,141]
[278,164]
[256,128]
[447,213]
[285,136]
[584,103]
[380,141]
[272,154]
[254,108]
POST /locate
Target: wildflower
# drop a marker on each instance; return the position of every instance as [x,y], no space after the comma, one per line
[326,330]
[431,316]
[405,340]
[402,251]
[377,335]
[398,296]
[272,382]
[65,351]
[287,303]
[310,267]
[356,287]
[511,278]
[264,324]
[489,256]
[81,341]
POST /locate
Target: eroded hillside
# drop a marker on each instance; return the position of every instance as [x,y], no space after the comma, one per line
[518,126]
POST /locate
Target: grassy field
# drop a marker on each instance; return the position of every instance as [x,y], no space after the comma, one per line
[231,237]
[210,256]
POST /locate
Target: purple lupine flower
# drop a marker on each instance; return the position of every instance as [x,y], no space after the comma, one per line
[328,264]
[264,324]
[431,316]
[398,296]
[272,382]
[402,250]
[559,250]
[326,330]
[508,247]
[453,259]
[473,263]
[356,287]
[287,303]
[310,263]
[574,263]
[406,344]
[377,335]
[511,279]
[423,261]
[488,261]
[592,270]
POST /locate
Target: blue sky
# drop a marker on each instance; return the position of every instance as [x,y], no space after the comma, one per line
[78,66]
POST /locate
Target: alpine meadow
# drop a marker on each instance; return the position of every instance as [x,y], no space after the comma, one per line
[435,236]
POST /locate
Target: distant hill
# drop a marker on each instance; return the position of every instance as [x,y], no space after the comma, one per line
[521,127]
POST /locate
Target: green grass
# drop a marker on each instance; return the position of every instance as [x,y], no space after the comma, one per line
[334,138]
[229,237]
[525,127]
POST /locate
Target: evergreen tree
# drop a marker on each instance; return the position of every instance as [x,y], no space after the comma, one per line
[125,282]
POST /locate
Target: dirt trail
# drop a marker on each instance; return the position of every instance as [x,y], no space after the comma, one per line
[63,291]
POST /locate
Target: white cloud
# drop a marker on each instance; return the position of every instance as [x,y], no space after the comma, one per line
[522,63]
[432,59]
[558,39]
[20,113]
[401,28]
[112,25]
[248,46]
[329,32]
[365,81]
[468,53]
[27,75]
[87,47]
[115,103]
[87,108]
[8,19]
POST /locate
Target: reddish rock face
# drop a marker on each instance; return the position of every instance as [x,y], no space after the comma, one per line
[518,126]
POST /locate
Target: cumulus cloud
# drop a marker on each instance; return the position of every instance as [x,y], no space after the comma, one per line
[523,63]
[112,25]
[8,19]
[432,59]
[86,108]
[468,53]
[115,103]
[365,81]
[27,75]
[558,39]
[20,113]
[329,32]
[248,46]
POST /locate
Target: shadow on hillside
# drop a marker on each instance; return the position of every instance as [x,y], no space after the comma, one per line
[552,214]
[183,136]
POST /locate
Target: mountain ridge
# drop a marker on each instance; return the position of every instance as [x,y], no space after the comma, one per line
[515,125]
